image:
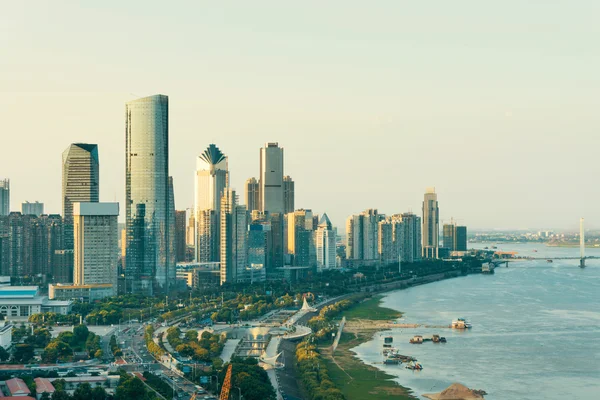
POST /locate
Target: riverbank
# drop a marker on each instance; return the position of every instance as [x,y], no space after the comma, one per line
[355,379]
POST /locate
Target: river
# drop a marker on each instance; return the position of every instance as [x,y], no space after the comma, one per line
[535,335]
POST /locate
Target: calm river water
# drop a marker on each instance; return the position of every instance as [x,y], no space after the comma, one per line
[535,335]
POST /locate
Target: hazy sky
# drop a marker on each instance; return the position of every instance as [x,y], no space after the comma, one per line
[496,104]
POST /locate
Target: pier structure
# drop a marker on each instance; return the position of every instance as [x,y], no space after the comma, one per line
[581,244]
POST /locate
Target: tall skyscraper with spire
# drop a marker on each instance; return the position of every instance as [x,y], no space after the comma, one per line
[212,181]
[431,224]
[272,198]
[80,182]
[149,203]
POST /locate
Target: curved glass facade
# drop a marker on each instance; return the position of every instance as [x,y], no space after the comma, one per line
[149,262]
[80,182]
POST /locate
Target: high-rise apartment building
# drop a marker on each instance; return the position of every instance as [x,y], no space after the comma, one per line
[80,182]
[180,232]
[288,195]
[461,238]
[252,194]
[454,237]
[390,240]
[212,180]
[325,238]
[28,243]
[62,266]
[35,208]
[233,236]
[150,260]
[431,225]
[96,250]
[4,197]
[410,247]
[271,179]
[362,232]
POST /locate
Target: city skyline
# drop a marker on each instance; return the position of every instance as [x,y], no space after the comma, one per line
[498,131]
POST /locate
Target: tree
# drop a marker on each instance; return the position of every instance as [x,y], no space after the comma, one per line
[45,396]
[61,395]
[59,384]
[23,353]
[98,393]
[56,350]
[80,333]
[67,337]
[83,392]
[191,335]
[4,355]
[130,388]
[98,354]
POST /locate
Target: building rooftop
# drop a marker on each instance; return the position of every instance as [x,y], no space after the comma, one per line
[17,387]
[43,385]
[14,292]
[96,209]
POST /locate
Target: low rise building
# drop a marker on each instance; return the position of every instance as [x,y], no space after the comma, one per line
[19,302]
[109,382]
[6,334]
[87,293]
[43,385]
[17,388]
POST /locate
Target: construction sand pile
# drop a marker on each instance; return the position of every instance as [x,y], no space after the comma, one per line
[456,391]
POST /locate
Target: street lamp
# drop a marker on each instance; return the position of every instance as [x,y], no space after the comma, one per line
[217,377]
[240,392]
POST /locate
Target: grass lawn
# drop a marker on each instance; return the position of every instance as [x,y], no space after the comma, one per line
[359,381]
[370,309]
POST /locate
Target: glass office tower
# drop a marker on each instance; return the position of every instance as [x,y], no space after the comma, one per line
[149,264]
[80,182]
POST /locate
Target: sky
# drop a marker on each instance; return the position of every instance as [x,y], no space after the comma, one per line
[495,104]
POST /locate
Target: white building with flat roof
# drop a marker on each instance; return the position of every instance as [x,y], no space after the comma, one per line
[96,244]
[19,302]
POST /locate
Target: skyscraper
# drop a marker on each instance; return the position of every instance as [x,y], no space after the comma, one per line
[411,238]
[180,231]
[300,238]
[36,208]
[252,194]
[212,180]
[258,248]
[96,250]
[271,179]
[276,254]
[4,197]
[391,237]
[461,238]
[431,224]
[28,243]
[362,235]
[233,226]
[454,237]
[80,182]
[288,194]
[148,198]
[325,237]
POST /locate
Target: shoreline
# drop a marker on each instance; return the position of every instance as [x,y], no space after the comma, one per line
[355,378]
[363,335]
